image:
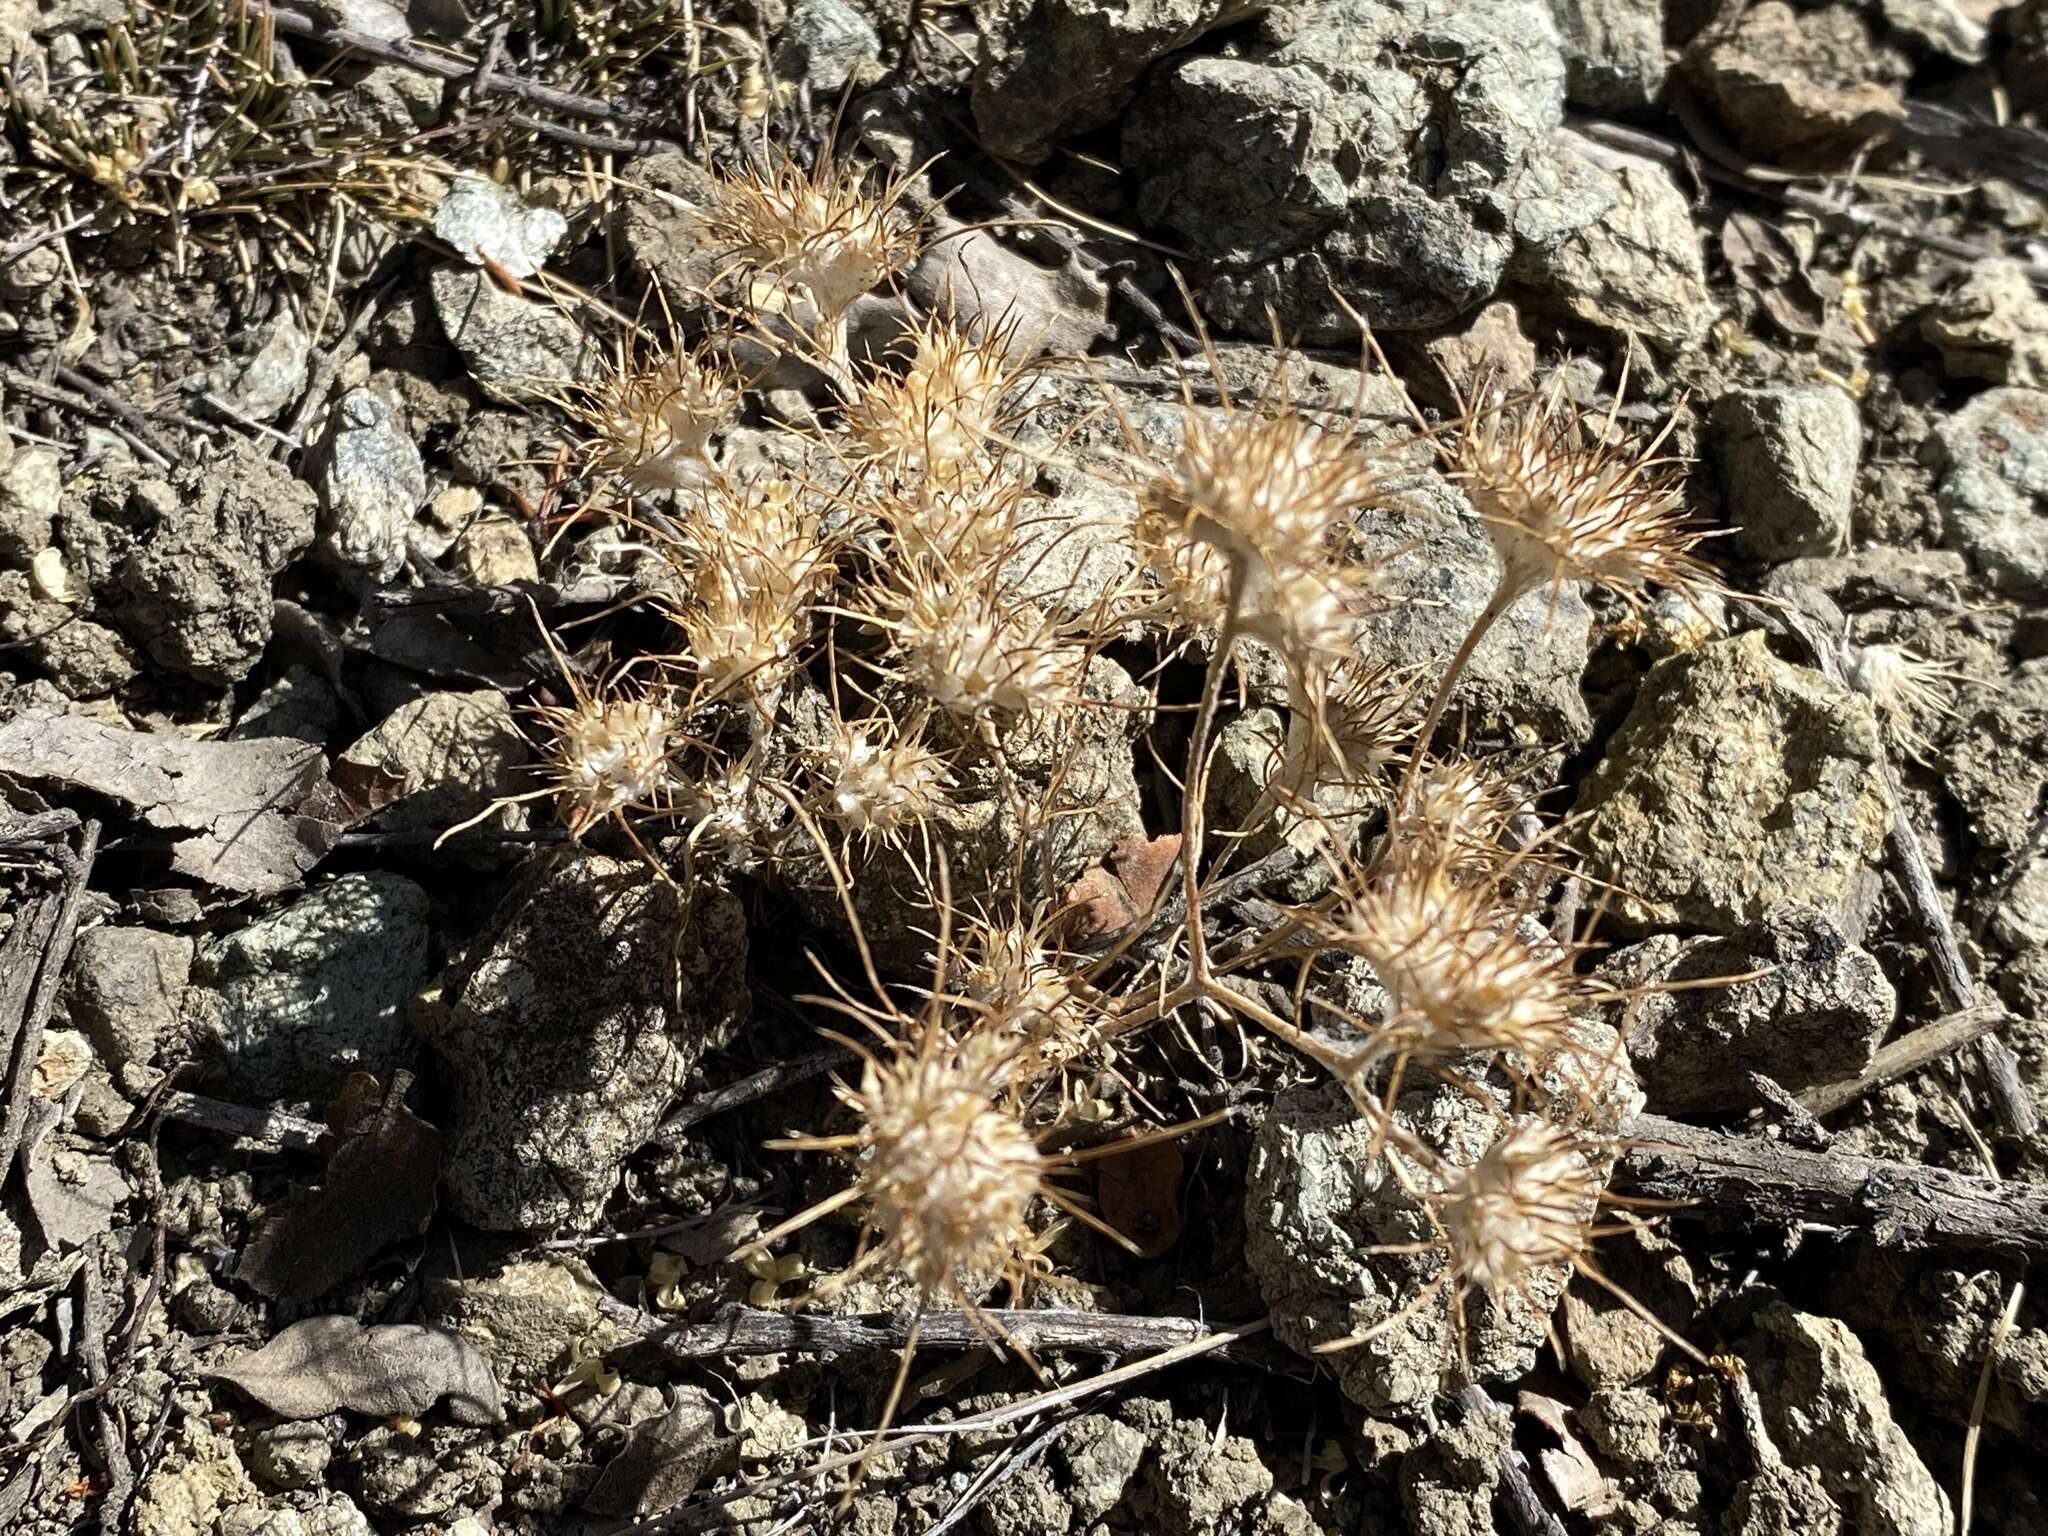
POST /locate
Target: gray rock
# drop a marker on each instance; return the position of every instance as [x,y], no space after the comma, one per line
[455,752]
[487,220]
[1613,52]
[293,1003]
[1826,1409]
[1100,1456]
[1198,1480]
[31,488]
[1625,1423]
[1940,27]
[1634,266]
[1448,1481]
[1799,80]
[1991,324]
[1316,1209]
[525,1315]
[271,376]
[372,482]
[391,99]
[513,346]
[823,43]
[124,991]
[1788,460]
[290,1455]
[194,589]
[1993,493]
[85,659]
[301,705]
[1819,1014]
[1396,154]
[1738,783]
[1057,68]
[571,1028]
[1439,575]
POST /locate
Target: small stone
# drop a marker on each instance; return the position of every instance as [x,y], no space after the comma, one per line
[525,1316]
[293,1003]
[515,347]
[1738,783]
[31,489]
[447,513]
[823,43]
[391,99]
[455,753]
[1818,1013]
[1993,493]
[1613,53]
[371,485]
[1786,80]
[124,989]
[49,577]
[1626,1424]
[271,377]
[496,552]
[1101,1455]
[1788,468]
[1197,1480]
[290,1456]
[1826,1408]
[1992,324]
[85,659]
[1941,27]
[300,704]
[487,221]
[1490,346]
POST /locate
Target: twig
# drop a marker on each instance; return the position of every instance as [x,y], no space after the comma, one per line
[999,1472]
[93,1328]
[784,1074]
[1532,1517]
[594,591]
[1904,1056]
[49,970]
[139,441]
[1903,1207]
[272,1128]
[746,1332]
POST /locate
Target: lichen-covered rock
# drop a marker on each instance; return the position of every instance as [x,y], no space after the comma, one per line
[1786,80]
[31,488]
[1613,52]
[124,989]
[823,43]
[85,659]
[1991,324]
[372,482]
[569,1030]
[1396,154]
[1197,1481]
[454,753]
[1788,468]
[1993,494]
[1055,68]
[525,1315]
[1827,1411]
[194,587]
[1099,1455]
[513,346]
[1818,1013]
[293,1003]
[488,220]
[1738,783]
[1447,1482]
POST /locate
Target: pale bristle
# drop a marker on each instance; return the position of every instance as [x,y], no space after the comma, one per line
[1526,1205]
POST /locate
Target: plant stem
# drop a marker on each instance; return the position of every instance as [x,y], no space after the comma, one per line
[1504,595]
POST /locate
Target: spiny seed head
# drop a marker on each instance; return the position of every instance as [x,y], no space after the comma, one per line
[751,560]
[822,232]
[1460,978]
[1526,1205]
[609,757]
[962,526]
[948,1169]
[1262,483]
[1018,984]
[1350,724]
[879,781]
[940,418]
[651,420]
[1562,509]
[1456,815]
[974,650]
[727,810]
[1905,689]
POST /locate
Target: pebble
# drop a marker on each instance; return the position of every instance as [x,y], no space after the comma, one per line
[1788,458]
[487,221]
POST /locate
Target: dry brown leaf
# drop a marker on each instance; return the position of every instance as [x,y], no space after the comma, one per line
[396,1369]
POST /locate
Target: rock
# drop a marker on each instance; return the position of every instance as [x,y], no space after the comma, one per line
[1611,1344]
[1781,1499]
[1396,154]
[1820,1014]
[371,485]
[1788,459]
[1826,1409]
[300,705]
[1993,494]
[419,1477]
[1447,1482]
[293,1003]
[1786,80]
[660,223]
[30,489]
[291,1455]
[2026,61]
[1738,783]
[456,753]
[1316,1209]
[86,660]
[447,514]
[1197,1480]
[1491,345]
[569,1030]
[1636,268]
[1100,1456]
[488,221]
[391,100]
[823,43]
[524,1315]
[1625,1424]
[1057,68]
[1991,324]
[1940,27]
[1613,52]
[194,589]
[496,552]
[514,346]
[124,989]
[199,1479]
[1440,572]
[269,376]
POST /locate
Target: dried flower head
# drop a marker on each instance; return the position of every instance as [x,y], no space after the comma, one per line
[650,419]
[1906,689]
[1561,508]
[1525,1206]
[822,234]
[973,648]
[1348,725]
[959,525]
[940,419]
[609,757]
[878,780]
[1456,816]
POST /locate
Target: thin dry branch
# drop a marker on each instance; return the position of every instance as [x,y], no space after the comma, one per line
[1904,1056]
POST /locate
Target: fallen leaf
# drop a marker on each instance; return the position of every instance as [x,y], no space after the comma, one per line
[664,1459]
[1138,1194]
[379,1187]
[1573,1474]
[395,1369]
[1109,897]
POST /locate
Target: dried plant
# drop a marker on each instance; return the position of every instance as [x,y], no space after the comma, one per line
[1906,690]
[969,643]
[877,780]
[649,420]
[938,425]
